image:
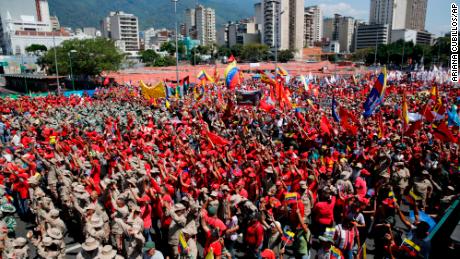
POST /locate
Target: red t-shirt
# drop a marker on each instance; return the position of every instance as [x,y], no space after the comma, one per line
[324,211]
[360,187]
[254,235]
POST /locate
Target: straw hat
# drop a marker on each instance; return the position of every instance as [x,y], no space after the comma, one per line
[107,252]
[54,233]
[96,222]
[90,244]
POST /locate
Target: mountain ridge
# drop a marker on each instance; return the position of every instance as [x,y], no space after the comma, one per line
[151,13]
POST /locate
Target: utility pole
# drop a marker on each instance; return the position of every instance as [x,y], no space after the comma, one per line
[56,64]
[177,47]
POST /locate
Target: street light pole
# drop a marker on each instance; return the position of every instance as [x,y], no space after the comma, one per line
[55,62]
[277,29]
[376,46]
[71,72]
[402,57]
[177,47]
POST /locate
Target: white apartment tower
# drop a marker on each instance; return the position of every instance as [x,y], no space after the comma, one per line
[313,28]
[189,21]
[205,21]
[124,30]
[283,24]
[399,14]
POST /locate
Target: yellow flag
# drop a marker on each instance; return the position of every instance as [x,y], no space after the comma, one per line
[157,91]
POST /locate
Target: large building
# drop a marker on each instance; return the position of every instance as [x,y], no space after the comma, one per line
[26,22]
[399,14]
[328,28]
[124,30]
[371,35]
[205,20]
[190,24]
[416,14]
[200,24]
[241,32]
[283,24]
[313,28]
[341,29]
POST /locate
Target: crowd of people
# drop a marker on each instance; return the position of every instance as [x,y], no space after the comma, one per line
[202,177]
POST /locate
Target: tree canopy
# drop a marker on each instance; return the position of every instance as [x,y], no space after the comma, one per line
[89,57]
[36,48]
[148,56]
[405,53]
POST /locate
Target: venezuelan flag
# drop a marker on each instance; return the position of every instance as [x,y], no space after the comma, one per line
[375,97]
[288,236]
[281,71]
[290,196]
[182,247]
[232,77]
[202,75]
[336,253]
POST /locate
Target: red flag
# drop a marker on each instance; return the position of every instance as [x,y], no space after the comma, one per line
[325,126]
[443,133]
[266,106]
[106,81]
[428,114]
[217,140]
[231,58]
[413,127]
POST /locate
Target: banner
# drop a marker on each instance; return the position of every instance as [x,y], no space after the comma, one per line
[157,91]
[248,97]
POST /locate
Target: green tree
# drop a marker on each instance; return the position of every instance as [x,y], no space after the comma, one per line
[285,55]
[195,57]
[361,54]
[224,51]
[148,56]
[168,47]
[164,61]
[237,50]
[255,52]
[36,48]
[89,57]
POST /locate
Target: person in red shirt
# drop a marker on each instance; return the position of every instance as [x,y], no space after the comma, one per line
[254,238]
[324,212]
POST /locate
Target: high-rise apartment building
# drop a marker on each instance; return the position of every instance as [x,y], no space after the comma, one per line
[283,24]
[200,24]
[399,14]
[189,21]
[328,28]
[416,14]
[205,25]
[313,28]
[124,30]
[341,29]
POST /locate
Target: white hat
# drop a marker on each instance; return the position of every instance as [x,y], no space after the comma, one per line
[96,222]
[345,175]
[178,206]
[90,244]
[54,233]
[19,242]
[107,252]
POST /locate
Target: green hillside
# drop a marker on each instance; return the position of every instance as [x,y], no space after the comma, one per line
[156,13]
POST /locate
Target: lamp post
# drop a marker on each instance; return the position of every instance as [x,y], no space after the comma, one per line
[71,72]
[177,46]
[55,62]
